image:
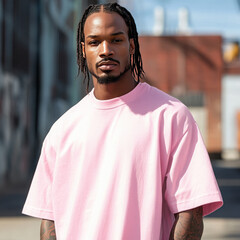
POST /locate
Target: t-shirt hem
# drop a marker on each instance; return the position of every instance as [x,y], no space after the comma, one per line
[210,204]
[38,213]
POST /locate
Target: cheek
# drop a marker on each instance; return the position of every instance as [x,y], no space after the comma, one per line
[125,56]
[91,59]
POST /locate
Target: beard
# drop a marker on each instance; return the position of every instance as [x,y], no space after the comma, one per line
[108,78]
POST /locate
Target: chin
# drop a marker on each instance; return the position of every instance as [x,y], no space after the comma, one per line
[108,79]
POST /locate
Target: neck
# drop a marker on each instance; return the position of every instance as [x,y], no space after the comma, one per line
[115,89]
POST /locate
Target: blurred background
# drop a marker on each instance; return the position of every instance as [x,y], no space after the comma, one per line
[190,50]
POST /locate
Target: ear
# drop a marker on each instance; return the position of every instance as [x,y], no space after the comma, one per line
[132,46]
[83,49]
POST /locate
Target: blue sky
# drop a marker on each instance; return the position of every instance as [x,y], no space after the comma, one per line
[206,16]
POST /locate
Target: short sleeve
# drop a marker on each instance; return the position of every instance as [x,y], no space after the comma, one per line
[39,200]
[190,180]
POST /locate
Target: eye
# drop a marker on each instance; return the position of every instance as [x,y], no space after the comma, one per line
[117,40]
[93,43]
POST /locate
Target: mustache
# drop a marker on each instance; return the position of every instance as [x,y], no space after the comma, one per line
[107,59]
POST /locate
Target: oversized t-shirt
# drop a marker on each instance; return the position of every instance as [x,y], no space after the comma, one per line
[119,169]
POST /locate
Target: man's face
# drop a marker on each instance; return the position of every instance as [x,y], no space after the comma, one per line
[107,47]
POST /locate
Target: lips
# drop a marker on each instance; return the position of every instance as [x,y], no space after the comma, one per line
[107,65]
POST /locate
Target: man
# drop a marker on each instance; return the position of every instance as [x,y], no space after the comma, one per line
[127,162]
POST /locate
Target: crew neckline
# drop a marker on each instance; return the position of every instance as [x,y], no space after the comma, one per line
[115,102]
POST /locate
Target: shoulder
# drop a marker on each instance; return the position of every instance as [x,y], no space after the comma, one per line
[69,119]
[169,111]
[162,101]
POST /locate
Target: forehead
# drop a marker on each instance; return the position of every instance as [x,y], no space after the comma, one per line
[104,23]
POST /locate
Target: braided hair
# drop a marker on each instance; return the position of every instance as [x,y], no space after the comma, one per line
[135,59]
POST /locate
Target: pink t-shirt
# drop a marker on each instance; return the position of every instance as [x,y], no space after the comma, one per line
[119,169]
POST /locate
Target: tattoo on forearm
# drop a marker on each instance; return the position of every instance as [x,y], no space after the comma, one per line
[188,225]
[47,231]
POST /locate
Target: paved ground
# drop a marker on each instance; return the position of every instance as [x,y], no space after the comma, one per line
[19,228]
[221,225]
[221,229]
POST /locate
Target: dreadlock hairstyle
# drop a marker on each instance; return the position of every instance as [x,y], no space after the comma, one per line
[135,59]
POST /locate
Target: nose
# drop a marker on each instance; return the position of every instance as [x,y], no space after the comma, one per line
[106,49]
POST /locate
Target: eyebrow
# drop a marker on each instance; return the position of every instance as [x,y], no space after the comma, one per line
[113,34]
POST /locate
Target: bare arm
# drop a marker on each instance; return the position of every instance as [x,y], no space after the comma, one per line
[47,230]
[188,225]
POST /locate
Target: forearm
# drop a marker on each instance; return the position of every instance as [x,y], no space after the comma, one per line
[188,225]
[47,230]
